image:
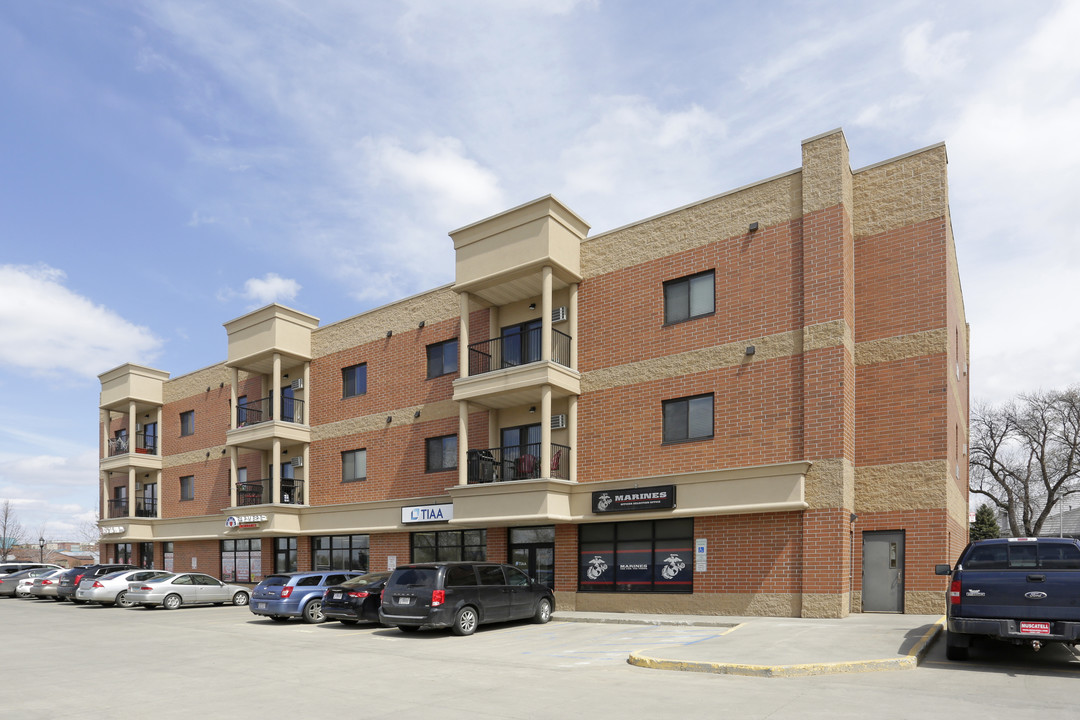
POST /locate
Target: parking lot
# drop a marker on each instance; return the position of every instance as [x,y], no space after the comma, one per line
[89,662]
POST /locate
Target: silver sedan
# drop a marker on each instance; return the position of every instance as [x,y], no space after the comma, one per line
[45,586]
[112,589]
[186,588]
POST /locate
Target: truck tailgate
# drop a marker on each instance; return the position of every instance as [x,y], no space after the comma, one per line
[1022,594]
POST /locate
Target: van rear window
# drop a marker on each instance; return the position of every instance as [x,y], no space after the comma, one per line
[416,577]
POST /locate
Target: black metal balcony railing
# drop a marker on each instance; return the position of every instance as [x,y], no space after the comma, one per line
[144,443]
[261,410]
[257,492]
[146,507]
[519,462]
[516,349]
[118,508]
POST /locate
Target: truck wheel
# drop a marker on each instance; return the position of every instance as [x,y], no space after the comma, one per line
[954,649]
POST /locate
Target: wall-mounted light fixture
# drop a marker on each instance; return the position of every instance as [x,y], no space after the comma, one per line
[207,453]
[416,414]
[753,226]
[222,451]
[285,375]
[389,419]
[750,349]
[421,324]
[532,306]
[207,388]
[389,333]
[532,409]
[223,384]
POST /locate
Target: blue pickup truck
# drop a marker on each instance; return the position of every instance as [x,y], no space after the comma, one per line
[1019,590]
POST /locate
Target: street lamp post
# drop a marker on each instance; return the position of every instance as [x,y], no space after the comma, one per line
[41,547]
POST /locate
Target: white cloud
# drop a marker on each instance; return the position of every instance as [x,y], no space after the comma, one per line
[930,59]
[270,288]
[49,329]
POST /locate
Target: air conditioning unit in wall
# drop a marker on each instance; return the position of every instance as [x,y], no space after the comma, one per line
[297,384]
[558,315]
[138,427]
[558,422]
[297,461]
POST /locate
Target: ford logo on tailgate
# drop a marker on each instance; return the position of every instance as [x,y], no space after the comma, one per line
[1035,595]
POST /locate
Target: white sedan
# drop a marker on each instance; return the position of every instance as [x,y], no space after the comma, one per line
[186,588]
[112,589]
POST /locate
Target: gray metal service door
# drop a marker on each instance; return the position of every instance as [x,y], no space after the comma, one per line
[883,571]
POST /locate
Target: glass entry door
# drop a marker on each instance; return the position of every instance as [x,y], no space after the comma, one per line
[532,550]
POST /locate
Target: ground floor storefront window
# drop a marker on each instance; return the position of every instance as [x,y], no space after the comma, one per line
[340,552]
[167,556]
[122,553]
[241,560]
[449,545]
[641,556]
[532,550]
[146,555]
[284,554]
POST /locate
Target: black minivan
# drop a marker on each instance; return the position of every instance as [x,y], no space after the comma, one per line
[461,596]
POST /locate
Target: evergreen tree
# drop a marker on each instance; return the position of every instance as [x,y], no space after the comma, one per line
[985,525]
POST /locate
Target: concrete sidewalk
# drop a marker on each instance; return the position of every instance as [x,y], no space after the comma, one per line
[785,647]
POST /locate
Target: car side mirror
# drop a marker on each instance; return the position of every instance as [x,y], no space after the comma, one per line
[943,569]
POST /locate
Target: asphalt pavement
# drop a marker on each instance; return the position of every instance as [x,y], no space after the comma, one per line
[784,647]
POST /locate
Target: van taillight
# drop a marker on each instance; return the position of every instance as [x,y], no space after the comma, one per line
[438,597]
[97,584]
[78,579]
[286,591]
[954,593]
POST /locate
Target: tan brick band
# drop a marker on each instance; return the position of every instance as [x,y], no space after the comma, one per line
[902,347]
[433,306]
[370,423]
[902,486]
[901,191]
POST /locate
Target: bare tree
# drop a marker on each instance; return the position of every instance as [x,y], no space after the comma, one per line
[11,530]
[89,533]
[1025,456]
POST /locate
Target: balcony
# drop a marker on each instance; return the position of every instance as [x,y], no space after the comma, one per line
[518,349]
[118,508]
[144,443]
[262,410]
[520,462]
[145,507]
[257,492]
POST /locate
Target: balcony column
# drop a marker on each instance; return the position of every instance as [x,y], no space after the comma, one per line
[307,468]
[545,426]
[545,317]
[463,336]
[571,426]
[132,425]
[160,416]
[131,493]
[158,498]
[306,420]
[104,495]
[275,470]
[233,397]
[275,389]
[463,443]
[572,327]
[105,415]
[233,461]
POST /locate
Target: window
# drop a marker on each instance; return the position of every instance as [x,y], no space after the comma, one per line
[241,560]
[449,545]
[122,553]
[354,380]
[689,297]
[187,423]
[146,556]
[187,487]
[339,552]
[168,556]
[442,358]
[353,465]
[284,554]
[241,411]
[689,418]
[442,453]
[640,556]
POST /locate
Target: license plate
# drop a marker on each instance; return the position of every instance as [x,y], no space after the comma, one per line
[404,600]
[337,596]
[260,606]
[1035,628]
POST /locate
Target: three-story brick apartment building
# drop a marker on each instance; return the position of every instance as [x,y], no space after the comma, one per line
[754,404]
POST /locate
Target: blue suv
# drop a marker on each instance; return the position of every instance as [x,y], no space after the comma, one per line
[289,595]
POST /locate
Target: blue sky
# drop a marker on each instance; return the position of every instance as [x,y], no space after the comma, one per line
[167,166]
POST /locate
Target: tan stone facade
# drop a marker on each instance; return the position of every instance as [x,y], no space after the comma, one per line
[786,364]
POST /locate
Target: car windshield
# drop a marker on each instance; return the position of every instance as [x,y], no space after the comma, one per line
[365,580]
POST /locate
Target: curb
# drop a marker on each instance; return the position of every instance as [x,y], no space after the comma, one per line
[907,662]
[641,621]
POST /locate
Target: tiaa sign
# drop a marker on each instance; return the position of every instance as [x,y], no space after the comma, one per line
[427,513]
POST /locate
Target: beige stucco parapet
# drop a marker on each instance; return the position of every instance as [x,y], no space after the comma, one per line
[733,354]
[399,416]
[902,347]
[404,315]
[830,483]
[902,486]
[826,172]
[770,202]
[901,191]
[195,383]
